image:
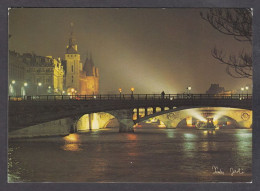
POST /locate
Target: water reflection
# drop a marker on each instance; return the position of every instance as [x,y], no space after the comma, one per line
[72,143]
[170,133]
[131,137]
[149,155]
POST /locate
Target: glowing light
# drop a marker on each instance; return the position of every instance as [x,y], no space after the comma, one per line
[39,84]
[196,114]
[242,89]
[95,124]
[120,90]
[247,87]
[217,115]
[189,121]
[13,82]
[49,87]
[132,89]
[72,89]
[25,84]
[189,88]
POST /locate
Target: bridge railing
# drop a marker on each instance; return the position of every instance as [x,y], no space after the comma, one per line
[129,97]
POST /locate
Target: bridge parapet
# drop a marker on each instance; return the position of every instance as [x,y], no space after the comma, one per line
[130,97]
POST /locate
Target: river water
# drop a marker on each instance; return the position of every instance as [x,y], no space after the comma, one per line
[148,155]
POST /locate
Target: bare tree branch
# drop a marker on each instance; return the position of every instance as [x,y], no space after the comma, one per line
[236,23]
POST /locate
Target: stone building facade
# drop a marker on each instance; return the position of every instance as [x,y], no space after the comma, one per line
[30,74]
[80,79]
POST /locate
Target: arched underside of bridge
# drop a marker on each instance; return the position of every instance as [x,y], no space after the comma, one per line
[172,117]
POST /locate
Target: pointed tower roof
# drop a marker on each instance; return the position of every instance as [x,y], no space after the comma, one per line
[88,66]
[71,49]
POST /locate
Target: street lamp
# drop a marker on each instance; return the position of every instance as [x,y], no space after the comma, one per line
[242,90]
[14,90]
[38,86]
[132,90]
[189,88]
[247,89]
[25,84]
[120,91]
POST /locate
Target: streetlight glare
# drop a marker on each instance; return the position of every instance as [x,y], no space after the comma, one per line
[39,84]
[189,88]
[25,84]
[120,90]
[242,89]
[247,87]
[13,82]
[132,89]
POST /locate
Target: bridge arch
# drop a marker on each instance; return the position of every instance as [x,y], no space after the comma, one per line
[173,117]
[94,121]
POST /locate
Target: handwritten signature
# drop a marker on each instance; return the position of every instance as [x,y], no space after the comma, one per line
[232,171]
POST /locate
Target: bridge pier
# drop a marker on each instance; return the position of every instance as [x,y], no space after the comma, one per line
[125,119]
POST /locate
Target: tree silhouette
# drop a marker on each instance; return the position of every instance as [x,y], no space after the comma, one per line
[237,23]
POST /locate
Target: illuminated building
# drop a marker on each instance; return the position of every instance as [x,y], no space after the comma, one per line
[29,70]
[81,79]
[16,72]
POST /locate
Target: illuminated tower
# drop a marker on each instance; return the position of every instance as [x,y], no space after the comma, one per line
[90,78]
[73,65]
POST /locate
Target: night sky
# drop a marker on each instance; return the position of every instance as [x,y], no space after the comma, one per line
[148,49]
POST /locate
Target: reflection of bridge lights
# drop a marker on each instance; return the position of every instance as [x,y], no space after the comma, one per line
[71,138]
[189,135]
[131,136]
[71,143]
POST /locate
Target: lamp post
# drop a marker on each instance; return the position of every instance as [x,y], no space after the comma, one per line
[38,86]
[242,91]
[120,91]
[132,95]
[14,90]
[25,85]
[189,89]
[49,89]
[247,90]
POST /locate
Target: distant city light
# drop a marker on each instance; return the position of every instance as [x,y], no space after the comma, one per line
[25,84]
[189,88]
[13,82]
[39,84]
[247,87]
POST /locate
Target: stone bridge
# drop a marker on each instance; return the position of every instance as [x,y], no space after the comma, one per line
[34,110]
